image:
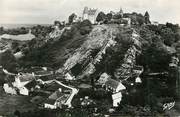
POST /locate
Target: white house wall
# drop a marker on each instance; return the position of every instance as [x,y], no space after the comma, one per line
[9,90]
[23,91]
[49,106]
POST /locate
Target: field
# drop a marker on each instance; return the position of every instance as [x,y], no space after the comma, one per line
[10,103]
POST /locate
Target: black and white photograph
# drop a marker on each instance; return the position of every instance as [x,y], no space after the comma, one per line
[89,58]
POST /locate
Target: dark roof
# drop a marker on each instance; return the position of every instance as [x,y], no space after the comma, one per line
[31,84]
[138,68]
[25,77]
[57,94]
[46,78]
[43,93]
[50,101]
[92,11]
[76,69]
[112,83]
[53,86]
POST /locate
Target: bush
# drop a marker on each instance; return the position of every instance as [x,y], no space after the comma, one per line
[85,27]
[8,61]
[101,17]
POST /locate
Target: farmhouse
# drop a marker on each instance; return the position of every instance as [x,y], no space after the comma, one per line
[114,86]
[116,99]
[18,85]
[29,87]
[111,84]
[62,95]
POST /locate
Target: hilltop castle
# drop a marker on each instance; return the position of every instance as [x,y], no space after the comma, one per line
[90,14]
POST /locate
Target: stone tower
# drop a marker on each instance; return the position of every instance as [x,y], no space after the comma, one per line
[147,18]
[85,13]
[121,12]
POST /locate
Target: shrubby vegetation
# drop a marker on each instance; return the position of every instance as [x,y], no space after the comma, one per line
[8,61]
[158,45]
[85,27]
[101,17]
[53,54]
[2,77]
[16,31]
[136,19]
[114,55]
[41,31]
[71,18]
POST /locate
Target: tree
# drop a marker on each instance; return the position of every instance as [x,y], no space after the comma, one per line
[168,36]
[155,57]
[101,17]
[174,27]
[23,30]
[146,16]
[15,46]
[57,23]
[71,18]
[109,16]
[85,27]
[1,30]
[8,61]
[17,113]
[140,19]
[117,16]
[2,77]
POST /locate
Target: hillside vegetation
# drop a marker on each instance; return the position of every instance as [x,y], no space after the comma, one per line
[54,52]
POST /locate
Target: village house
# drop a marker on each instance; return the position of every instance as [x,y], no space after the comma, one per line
[137,71]
[62,95]
[117,97]
[110,84]
[20,80]
[103,78]
[55,100]
[25,83]
[29,87]
[8,88]
[114,86]
[90,14]
[69,76]
[174,61]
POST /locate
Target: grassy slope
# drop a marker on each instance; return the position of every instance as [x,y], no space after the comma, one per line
[54,54]
[94,41]
[61,50]
[11,103]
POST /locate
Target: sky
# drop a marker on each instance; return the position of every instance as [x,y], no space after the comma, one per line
[47,11]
